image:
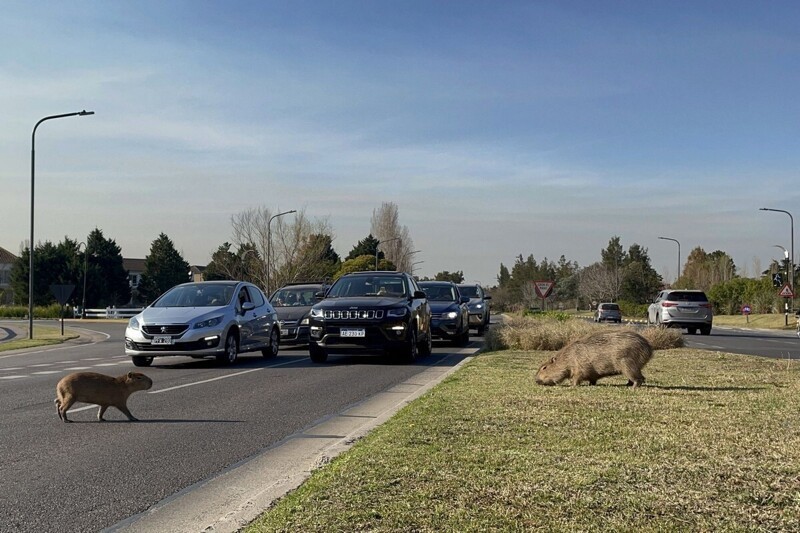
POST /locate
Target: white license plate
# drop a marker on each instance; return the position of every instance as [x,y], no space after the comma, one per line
[284,332]
[352,332]
[162,339]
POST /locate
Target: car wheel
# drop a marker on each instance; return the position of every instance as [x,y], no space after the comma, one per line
[317,353]
[274,343]
[142,360]
[705,330]
[463,339]
[426,348]
[231,350]
[691,331]
[411,350]
[481,330]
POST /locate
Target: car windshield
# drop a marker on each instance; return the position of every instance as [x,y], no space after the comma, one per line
[294,296]
[197,295]
[470,290]
[439,293]
[355,286]
[609,307]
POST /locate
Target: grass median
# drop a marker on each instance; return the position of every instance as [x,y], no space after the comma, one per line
[711,442]
[42,336]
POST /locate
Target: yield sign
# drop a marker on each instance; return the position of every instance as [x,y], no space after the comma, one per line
[543,288]
[786,291]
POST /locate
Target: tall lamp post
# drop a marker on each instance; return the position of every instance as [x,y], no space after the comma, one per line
[678,275]
[269,242]
[85,270]
[791,262]
[33,166]
[410,253]
[377,246]
[412,266]
[785,305]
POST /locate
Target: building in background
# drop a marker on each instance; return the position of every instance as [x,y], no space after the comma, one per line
[7,260]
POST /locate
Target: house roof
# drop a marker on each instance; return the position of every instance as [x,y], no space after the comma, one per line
[133,265]
[7,257]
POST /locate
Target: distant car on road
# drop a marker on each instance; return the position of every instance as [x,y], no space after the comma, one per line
[479,308]
[687,309]
[609,312]
[449,311]
[204,319]
[293,304]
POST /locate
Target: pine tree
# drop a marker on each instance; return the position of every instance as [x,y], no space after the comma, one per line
[164,268]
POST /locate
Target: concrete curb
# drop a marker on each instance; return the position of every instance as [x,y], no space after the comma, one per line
[237,496]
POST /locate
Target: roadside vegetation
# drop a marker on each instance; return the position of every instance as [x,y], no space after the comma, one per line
[709,443]
[42,336]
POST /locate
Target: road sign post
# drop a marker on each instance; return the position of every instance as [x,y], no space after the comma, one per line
[543,289]
[62,294]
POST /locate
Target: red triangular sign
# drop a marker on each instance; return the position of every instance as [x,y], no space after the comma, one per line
[543,288]
[786,292]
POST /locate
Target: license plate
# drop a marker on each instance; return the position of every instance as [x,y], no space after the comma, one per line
[352,332]
[284,332]
[162,339]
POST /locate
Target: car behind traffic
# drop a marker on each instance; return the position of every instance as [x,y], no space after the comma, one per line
[689,309]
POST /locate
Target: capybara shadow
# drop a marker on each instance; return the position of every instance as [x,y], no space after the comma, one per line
[99,389]
[598,355]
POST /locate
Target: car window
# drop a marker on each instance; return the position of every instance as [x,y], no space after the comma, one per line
[255,296]
[369,286]
[440,293]
[294,296]
[196,295]
[470,290]
[687,296]
[610,307]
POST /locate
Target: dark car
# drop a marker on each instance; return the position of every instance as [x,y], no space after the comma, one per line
[479,308]
[371,312]
[449,311]
[293,304]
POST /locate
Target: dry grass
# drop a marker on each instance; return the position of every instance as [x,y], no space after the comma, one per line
[531,333]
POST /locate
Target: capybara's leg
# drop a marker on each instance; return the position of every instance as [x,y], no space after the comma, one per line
[66,403]
[126,412]
[100,413]
[635,377]
[58,408]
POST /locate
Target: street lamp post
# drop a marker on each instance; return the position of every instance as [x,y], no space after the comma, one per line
[412,266]
[785,305]
[377,245]
[409,253]
[85,270]
[31,245]
[791,262]
[678,275]
[269,243]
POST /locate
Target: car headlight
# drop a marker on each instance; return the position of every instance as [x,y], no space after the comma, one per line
[210,323]
[478,306]
[133,323]
[316,313]
[400,312]
[304,322]
[451,314]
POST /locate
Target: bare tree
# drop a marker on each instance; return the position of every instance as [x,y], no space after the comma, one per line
[396,242]
[599,282]
[284,243]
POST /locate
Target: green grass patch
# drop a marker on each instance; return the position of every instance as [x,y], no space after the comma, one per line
[710,443]
[765,321]
[42,336]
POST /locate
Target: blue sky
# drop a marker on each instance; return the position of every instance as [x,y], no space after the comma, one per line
[498,128]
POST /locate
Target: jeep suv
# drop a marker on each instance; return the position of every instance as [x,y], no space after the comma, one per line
[681,309]
[373,312]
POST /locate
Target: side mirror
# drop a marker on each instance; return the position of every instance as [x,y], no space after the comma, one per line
[487,297]
[319,295]
[248,306]
[419,295]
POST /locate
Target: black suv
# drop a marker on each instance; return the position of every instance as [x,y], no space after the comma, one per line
[377,312]
[293,302]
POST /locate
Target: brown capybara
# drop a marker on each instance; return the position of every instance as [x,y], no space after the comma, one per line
[595,356]
[99,389]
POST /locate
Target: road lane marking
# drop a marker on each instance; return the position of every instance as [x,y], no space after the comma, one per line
[46,372]
[218,378]
[78,368]
[42,364]
[11,377]
[10,369]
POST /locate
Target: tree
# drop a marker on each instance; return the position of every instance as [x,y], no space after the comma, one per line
[455,277]
[395,240]
[640,281]
[600,283]
[366,246]
[106,279]
[360,264]
[164,268]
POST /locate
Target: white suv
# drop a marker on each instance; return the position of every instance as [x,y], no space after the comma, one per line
[681,309]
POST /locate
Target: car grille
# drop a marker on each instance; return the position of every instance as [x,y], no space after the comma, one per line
[289,323]
[363,314]
[168,329]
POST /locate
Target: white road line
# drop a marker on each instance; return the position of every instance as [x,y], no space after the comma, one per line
[10,369]
[218,378]
[46,372]
[92,359]
[11,377]
[41,364]
[78,368]
[110,364]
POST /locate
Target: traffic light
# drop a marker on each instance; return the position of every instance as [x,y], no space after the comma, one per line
[777,279]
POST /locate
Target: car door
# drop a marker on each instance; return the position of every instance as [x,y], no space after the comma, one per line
[245,314]
[263,317]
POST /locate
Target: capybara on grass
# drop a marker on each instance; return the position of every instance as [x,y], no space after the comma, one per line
[99,389]
[606,353]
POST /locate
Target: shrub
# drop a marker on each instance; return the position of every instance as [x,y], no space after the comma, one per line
[546,333]
[19,311]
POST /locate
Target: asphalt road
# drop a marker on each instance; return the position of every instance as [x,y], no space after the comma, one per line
[764,343]
[198,420]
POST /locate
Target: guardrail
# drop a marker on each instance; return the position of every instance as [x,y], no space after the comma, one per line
[108,312]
